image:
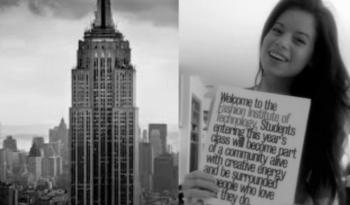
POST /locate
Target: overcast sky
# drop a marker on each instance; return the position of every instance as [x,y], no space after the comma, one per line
[219,40]
[38,45]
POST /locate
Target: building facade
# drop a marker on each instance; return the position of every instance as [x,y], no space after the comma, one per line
[195,99]
[58,139]
[103,117]
[40,142]
[59,133]
[165,174]
[157,137]
[35,161]
[3,165]
[145,166]
[8,194]
[10,143]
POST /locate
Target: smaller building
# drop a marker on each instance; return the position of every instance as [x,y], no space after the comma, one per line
[10,143]
[145,164]
[35,160]
[165,179]
[51,166]
[39,141]
[10,161]
[8,194]
[53,197]
[158,137]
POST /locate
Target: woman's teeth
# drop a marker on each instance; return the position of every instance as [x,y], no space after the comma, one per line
[278,56]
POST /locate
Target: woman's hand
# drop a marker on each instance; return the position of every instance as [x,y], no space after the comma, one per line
[198,186]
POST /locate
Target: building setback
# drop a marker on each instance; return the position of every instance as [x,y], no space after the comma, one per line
[103,117]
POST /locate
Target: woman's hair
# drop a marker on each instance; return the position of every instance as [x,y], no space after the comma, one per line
[325,81]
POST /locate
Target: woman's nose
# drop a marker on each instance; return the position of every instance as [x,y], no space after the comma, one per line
[283,41]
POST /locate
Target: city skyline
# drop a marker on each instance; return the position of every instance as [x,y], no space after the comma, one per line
[41,39]
[45,169]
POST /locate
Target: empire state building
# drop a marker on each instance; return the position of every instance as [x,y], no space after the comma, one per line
[103,117]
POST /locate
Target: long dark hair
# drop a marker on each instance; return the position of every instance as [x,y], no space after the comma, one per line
[325,81]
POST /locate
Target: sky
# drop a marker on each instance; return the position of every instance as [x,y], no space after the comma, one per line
[219,40]
[38,46]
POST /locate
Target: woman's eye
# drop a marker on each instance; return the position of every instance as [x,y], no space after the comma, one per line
[277,30]
[300,41]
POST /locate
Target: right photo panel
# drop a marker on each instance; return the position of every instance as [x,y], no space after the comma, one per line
[264,102]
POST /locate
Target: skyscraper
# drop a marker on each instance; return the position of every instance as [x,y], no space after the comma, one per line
[103,117]
[3,165]
[157,137]
[145,166]
[8,194]
[10,143]
[164,178]
[34,161]
[39,141]
[58,142]
[59,133]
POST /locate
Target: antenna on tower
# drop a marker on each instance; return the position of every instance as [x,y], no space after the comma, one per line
[103,14]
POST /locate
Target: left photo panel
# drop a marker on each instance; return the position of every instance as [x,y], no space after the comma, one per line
[89,102]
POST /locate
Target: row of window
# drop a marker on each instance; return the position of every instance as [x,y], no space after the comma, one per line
[107,45]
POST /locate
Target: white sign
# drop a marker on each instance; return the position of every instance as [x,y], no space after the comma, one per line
[254,145]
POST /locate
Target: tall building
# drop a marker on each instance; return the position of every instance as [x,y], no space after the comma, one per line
[58,139]
[10,161]
[145,166]
[165,174]
[58,143]
[103,117]
[10,143]
[8,194]
[34,161]
[157,137]
[144,136]
[3,165]
[59,133]
[51,166]
[39,141]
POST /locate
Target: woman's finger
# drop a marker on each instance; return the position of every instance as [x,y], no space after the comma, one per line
[201,184]
[200,175]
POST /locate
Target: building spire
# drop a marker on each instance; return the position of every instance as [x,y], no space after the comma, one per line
[103,15]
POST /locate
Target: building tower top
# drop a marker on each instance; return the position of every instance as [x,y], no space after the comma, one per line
[103,25]
[34,150]
[103,15]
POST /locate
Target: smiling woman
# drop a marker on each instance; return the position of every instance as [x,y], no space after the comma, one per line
[299,56]
[288,46]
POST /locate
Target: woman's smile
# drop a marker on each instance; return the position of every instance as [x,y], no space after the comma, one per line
[278,56]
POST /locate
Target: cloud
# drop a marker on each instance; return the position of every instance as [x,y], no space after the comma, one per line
[159,12]
[7,3]
[69,9]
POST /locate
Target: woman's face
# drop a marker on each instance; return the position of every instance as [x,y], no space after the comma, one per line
[288,46]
